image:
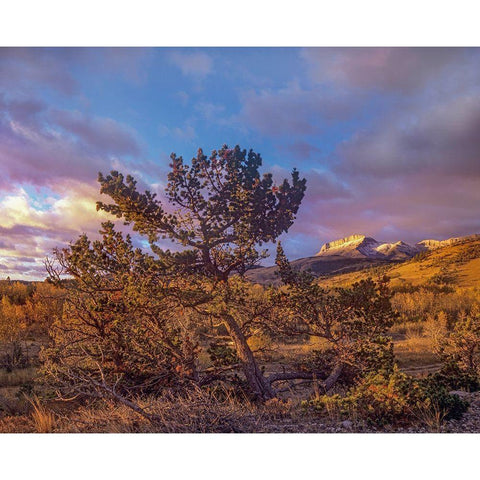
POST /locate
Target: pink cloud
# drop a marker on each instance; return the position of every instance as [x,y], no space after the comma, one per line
[101,134]
[440,139]
[403,69]
[294,110]
[59,144]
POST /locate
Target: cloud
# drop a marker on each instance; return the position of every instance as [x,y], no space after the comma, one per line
[183,97]
[301,150]
[39,146]
[55,155]
[25,70]
[69,207]
[131,63]
[295,110]
[413,174]
[40,157]
[186,133]
[31,229]
[103,135]
[409,178]
[410,209]
[442,139]
[25,109]
[409,170]
[388,138]
[397,69]
[210,111]
[321,185]
[197,64]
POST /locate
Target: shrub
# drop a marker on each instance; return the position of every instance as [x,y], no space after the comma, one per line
[435,396]
[354,321]
[13,359]
[221,353]
[395,399]
[453,377]
[459,346]
[421,256]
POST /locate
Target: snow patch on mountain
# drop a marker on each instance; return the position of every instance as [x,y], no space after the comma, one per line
[358,246]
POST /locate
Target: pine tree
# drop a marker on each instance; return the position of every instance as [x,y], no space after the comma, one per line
[223,212]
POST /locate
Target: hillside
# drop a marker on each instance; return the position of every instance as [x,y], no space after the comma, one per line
[318,266]
[344,260]
[453,264]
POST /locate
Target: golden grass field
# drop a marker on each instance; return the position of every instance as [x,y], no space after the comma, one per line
[453,260]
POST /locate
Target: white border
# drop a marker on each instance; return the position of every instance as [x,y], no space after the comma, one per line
[245,23]
[372,456]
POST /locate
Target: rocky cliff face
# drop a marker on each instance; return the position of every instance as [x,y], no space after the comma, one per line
[351,243]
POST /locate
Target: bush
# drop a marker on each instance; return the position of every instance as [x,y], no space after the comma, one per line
[435,396]
[221,353]
[459,346]
[453,377]
[395,399]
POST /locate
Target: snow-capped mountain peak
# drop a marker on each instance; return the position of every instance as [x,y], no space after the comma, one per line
[361,246]
[356,246]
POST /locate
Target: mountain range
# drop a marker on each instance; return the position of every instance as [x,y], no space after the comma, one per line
[353,253]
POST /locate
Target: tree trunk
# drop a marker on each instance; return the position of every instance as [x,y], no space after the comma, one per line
[255,378]
[326,384]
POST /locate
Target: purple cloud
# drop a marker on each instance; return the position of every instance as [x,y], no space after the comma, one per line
[25,110]
[301,150]
[295,110]
[442,139]
[103,135]
[59,144]
[402,69]
[26,69]
[40,156]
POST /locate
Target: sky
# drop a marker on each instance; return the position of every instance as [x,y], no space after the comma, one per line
[388,138]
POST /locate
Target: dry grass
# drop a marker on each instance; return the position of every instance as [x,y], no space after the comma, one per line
[197,412]
[432,416]
[415,352]
[17,377]
[408,329]
[43,419]
[418,273]
[11,403]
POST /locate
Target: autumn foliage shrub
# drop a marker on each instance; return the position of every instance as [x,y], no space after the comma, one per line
[395,399]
